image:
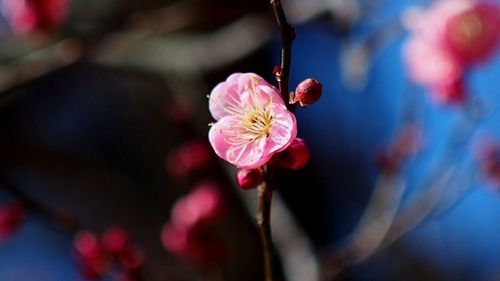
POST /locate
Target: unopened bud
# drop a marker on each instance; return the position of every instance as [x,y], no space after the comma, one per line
[296,156]
[307,92]
[250,178]
[114,239]
[11,217]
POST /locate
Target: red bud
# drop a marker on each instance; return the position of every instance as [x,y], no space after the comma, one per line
[307,92]
[250,178]
[296,156]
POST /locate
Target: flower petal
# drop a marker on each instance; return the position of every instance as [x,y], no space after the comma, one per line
[244,154]
[225,99]
[283,130]
[260,91]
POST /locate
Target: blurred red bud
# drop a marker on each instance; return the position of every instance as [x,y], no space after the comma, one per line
[131,258]
[26,16]
[449,92]
[92,259]
[473,34]
[203,204]
[186,234]
[114,240]
[11,217]
[187,159]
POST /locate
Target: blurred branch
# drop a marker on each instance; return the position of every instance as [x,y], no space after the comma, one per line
[172,18]
[183,52]
[38,63]
[384,222]
[418,209]
[63,220]
[378,217]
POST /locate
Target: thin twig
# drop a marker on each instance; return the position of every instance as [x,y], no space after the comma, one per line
[63,220]
[264,227]
[287,34]
[38,63]
[410,214]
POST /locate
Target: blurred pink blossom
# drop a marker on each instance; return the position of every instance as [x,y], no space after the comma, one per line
[114,251]
[204,204]
[191,157]
[26,16]
[253,122]
[445,40]
[187,235]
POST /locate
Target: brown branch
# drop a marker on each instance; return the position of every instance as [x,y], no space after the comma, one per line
[63,220]
[264,228]
[287,34]
[38,63]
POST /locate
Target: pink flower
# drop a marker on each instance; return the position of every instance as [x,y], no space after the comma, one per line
[445,40]
[427,59]
[428,64]
[253,122]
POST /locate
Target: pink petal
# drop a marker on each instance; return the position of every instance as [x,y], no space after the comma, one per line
[249,155]
[233,78]
[225,97]
[283,131]
[224,100]
[429,64]
[247,80]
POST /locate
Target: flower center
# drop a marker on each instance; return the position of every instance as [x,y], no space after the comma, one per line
[258,122]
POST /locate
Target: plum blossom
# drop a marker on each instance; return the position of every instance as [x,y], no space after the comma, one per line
[253,122]
[445,41]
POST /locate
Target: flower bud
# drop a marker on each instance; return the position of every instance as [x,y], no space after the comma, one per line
[92,259]
[188,159]
[204,204]
[472,35]
[114,239]
[250,178]
[296,156]
[131,258]
[11,217]
[307,92]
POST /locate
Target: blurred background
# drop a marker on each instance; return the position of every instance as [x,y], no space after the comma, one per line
[104,152]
